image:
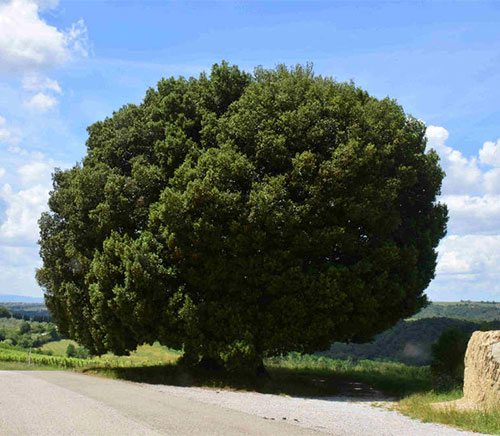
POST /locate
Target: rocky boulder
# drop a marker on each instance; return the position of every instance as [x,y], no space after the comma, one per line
[482,373]
[482,369]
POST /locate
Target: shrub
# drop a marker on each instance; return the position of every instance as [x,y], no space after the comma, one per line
[4,312]
[448,356]
[71,350]
[24,328]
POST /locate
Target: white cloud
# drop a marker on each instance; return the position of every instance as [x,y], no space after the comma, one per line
[469,254]
[35,82]
[35,173]
[490,154]
[470,214]
[27,42]
[463,175]
[468,269]
[41,102]
[76,38]
[24,207]
[24,204]
[469,258]
[7,135]
[2,172]
[471,188]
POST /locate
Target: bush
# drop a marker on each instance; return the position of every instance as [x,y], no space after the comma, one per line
[4,312]
[448,356]
[24,328]
[70,350]
[82,353]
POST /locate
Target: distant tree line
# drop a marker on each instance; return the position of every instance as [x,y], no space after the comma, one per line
[466,310]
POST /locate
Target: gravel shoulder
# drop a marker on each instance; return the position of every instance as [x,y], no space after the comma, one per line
[340,416]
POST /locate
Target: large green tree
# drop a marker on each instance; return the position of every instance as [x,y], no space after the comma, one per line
[239,216]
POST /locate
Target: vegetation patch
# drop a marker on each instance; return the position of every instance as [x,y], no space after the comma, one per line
[419,406]
[295,375]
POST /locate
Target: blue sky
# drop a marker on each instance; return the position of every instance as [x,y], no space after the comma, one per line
[65,64]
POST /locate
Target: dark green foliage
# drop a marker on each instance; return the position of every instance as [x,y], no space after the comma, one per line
[4,312]
[25,327]
[240,216]
[448,355]
[70,350]
[27,334]
[79,352]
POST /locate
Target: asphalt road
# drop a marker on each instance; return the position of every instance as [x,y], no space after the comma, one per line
[54,403]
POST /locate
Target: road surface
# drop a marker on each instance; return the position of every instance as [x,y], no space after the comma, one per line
[57,403]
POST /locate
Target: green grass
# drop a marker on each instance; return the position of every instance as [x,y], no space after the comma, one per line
[145,354]
[148,355]
[391,378]
[419,406]
[293,375]
[14,355]
[58,348]
[24,366]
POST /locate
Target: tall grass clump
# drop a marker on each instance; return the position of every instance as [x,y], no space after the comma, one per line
[478,420]
[396,379]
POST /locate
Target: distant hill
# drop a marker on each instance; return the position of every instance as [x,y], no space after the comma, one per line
[33,311]
[410,341]
[19,299]
[467,310]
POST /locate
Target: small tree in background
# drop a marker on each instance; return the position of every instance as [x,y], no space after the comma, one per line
[240,216]
[24,328]
[4,312]
[70,350]
[448,356]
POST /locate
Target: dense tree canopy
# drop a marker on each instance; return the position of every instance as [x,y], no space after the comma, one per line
[238,216]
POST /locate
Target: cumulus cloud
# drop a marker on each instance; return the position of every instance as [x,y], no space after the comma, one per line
[41,102]
[35,82]
[27,42]
[462,175]
[24,207]
[469,254]
[469,258]
[468,268]
[469,214]
[35,173]
[471,188]
[490,154]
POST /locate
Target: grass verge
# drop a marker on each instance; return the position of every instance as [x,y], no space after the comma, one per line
[11,366]
[418,406]
[307,376]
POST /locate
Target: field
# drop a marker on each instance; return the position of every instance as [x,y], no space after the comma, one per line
[155,354]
